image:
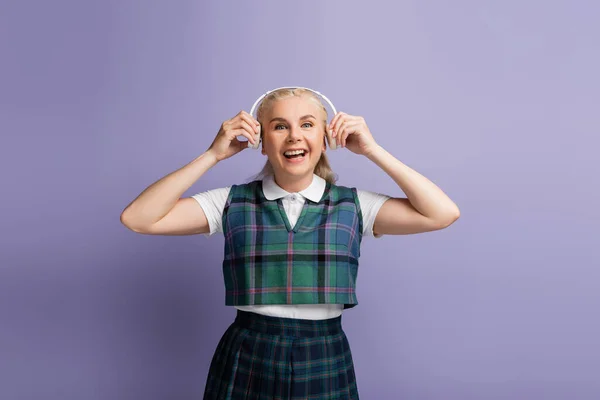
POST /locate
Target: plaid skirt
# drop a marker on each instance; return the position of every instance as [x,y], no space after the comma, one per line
[263,357]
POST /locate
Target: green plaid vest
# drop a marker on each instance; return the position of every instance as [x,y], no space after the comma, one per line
[268,262]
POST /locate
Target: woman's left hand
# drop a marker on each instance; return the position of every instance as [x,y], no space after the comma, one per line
[353,133]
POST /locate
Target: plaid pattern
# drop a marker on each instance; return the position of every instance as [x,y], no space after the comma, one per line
[268,262]
[261,357]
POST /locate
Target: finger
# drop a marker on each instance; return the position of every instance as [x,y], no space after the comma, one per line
[242,132]
[346,131]
[342,123]
[248,121]
[339,133]
[343,135]
[235,118]
[330,139]
[338,122]
[344,119]
[251,121]
[254,120]
[332,122]
[340,128]
[246,116]
[250,129]
[240,145]
[335,119]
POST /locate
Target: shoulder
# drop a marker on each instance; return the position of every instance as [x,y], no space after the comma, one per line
[365,197]
[341,191]
[368,197]
[246,189]
[345,197]
[220,196]
[212,194]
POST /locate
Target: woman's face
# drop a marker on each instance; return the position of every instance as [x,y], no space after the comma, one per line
[293,136]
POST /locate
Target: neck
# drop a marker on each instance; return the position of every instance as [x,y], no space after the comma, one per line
[293,184]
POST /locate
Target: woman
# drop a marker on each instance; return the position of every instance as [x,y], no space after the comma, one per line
[292,243]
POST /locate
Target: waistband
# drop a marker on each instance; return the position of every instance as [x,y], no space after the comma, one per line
[288,326]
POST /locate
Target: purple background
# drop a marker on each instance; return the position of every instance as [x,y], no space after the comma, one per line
[496,102]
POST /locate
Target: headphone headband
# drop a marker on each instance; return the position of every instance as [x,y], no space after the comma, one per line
[292,87]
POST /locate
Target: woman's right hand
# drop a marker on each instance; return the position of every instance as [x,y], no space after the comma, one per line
[226,143]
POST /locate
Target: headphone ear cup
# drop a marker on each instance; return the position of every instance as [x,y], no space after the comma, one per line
[254,147]
[331,142]
[258,140]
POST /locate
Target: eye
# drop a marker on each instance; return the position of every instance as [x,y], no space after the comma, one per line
[308,123]
[278,126]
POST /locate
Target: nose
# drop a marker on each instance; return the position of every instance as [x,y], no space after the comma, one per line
[294,134]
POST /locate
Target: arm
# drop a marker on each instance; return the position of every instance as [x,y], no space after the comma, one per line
[160,210]
[427,208]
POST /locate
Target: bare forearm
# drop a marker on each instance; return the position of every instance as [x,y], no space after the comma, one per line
[423,194]
[160,197]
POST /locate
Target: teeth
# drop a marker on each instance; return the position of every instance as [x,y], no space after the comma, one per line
[294,152]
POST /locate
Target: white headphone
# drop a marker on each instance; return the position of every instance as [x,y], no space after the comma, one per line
[330,141]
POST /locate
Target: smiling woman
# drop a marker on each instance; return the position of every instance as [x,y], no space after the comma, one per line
[295,112]
[292,243]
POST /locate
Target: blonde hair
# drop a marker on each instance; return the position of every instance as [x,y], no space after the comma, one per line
[323,168]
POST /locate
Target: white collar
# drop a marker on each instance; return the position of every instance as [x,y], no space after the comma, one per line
[313,192]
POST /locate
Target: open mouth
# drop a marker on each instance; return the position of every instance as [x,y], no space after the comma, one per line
[295,155]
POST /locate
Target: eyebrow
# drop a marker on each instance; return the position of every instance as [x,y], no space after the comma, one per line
[285,120]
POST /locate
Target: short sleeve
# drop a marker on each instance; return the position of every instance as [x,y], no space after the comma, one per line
[212,203]
[370,203]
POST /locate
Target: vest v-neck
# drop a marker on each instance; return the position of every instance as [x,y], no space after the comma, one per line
[286,221]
